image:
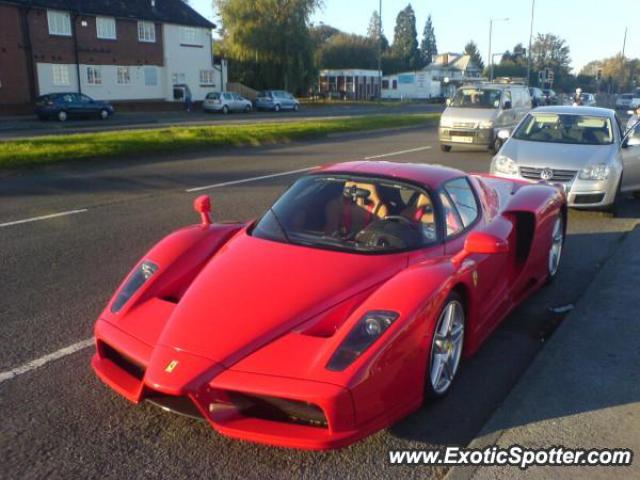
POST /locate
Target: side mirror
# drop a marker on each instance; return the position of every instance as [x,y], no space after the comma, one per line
[504,134]
[480,242]
[202,205]
[507,105]
[448,102]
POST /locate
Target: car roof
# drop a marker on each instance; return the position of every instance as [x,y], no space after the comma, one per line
[431,176]
[567,109]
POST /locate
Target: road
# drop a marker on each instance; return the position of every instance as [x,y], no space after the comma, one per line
[28,126]
[56,274]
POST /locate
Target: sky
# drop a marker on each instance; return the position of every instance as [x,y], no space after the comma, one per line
[593,29]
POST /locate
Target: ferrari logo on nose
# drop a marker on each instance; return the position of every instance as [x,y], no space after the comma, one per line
[171,367]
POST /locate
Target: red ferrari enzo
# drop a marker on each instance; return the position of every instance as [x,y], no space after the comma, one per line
[338,311]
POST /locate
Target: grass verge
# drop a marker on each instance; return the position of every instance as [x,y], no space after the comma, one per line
[51,149]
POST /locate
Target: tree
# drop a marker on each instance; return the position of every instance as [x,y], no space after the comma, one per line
[428,46]
[518,57]
[375,29]
[348,51]
[550,51]
[471,49]
[268,42]
[405,41]
[321,33]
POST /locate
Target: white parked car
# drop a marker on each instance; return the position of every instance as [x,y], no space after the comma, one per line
[628,101]
[588,99]
[226,102]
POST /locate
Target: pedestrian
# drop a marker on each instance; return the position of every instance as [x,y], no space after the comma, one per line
[187,98]
[634,118]
[577,99]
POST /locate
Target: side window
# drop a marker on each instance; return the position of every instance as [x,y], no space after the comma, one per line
[451,216]
[464,201]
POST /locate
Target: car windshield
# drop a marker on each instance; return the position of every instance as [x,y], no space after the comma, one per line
[213,96]
[477,98]
[565,128]
[360,215]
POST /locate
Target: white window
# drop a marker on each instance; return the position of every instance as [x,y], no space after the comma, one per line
[59,23]
[178,78]
[61,75]
[147,32]
[190,36]
[124,75]
[94,76]
[150,76]
[106,28]
[207,77]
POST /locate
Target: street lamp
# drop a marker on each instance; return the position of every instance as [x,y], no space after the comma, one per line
[490,36]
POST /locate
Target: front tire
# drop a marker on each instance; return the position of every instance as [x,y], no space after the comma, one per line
[555,251]
[276,108]
[446,348]
[62,116]
[104,114]
[225,110]
[445,148]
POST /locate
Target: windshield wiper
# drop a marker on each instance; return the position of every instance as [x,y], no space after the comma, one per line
[282,229]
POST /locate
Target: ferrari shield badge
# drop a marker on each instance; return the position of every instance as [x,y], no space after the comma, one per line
[475,278]
[171,366]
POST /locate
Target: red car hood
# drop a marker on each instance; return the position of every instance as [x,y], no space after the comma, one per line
[254,290]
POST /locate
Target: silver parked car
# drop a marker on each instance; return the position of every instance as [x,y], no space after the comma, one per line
[276,100]
[583,148]
[226,102]
[477,112]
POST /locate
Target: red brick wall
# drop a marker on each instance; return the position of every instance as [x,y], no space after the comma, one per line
[13,64]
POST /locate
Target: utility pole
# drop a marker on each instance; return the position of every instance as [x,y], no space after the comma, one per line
[533,7]
[624,45]
[380,51]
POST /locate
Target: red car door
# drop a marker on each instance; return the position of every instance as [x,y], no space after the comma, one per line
[463,214]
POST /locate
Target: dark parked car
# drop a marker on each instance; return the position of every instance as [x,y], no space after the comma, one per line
[66,105]
[276,100]
[537,97]
[550,97]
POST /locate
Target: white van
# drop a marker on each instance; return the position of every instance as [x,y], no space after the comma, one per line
[477,112]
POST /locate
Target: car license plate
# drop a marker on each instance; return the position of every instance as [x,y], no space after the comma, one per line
[462,139]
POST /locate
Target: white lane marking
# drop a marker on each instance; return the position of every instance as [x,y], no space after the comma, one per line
[246,180]
[43,217]
[42,361]
[401,152]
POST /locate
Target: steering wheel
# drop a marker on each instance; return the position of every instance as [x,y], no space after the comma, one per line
[399,218]
[374,235]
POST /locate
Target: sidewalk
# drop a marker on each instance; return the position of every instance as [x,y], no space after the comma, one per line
[583,388]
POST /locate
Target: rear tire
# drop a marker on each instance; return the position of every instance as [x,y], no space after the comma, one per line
[295,107]
[445,148]
[445,352]
[62,116]
[247,109]
[225,110]
[276,108]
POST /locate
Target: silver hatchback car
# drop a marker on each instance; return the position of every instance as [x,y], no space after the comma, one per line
[585,149]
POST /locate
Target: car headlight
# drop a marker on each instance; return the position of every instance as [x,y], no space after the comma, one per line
[446,122]
[503,164]
[485,125]
[599,171]
[137,278]
[364,334]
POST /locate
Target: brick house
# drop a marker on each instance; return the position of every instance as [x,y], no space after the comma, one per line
[117,50]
